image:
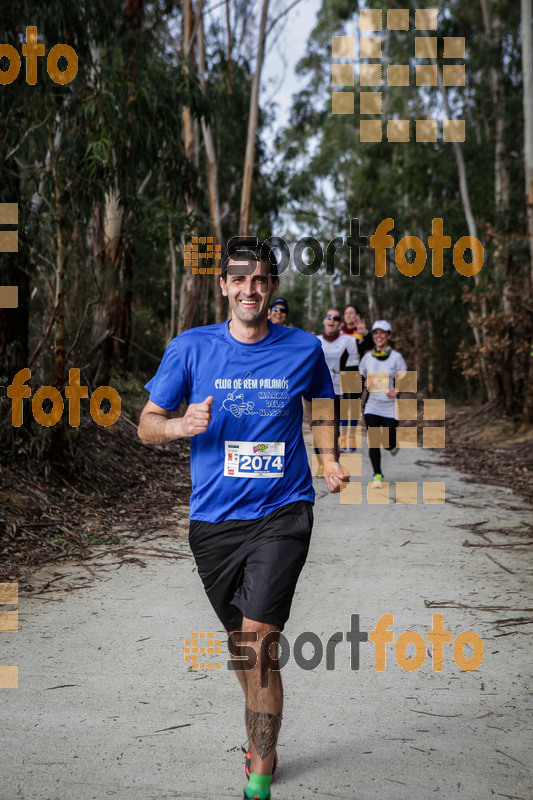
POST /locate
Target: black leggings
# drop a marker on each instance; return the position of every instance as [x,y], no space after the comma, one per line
[374,421]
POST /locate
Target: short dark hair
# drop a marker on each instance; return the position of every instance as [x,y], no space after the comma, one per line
[350,305]
[248,249]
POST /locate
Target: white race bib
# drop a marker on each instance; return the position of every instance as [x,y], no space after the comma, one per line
[254,459]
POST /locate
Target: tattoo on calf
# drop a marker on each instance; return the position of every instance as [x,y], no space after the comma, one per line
[263,729]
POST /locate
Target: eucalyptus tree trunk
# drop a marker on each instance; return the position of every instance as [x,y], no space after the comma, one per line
[472,231]
[14,322]
[252,128]
[527,80]
[431,357]
[211,159]
[310,303]
[190,284]
[502,184]
[173,285]
[527,73]
[55,447]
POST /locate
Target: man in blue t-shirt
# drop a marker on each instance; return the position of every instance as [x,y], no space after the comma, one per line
[251,505]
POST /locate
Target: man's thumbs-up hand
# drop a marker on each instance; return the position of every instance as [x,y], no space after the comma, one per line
[197,417]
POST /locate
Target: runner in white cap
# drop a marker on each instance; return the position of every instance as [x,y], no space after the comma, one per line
[380,407]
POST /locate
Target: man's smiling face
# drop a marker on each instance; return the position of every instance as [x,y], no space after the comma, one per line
[249,296]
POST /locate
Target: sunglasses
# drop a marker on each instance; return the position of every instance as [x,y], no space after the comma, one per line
[335,319]
[278,310]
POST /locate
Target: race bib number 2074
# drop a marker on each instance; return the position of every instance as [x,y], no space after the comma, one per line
[254,459]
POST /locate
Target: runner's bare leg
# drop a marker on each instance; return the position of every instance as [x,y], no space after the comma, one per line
[234,653]
[264,704]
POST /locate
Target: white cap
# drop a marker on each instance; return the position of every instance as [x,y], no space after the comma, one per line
[382,324]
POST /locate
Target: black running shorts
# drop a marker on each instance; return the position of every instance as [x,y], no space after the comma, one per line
[250,567]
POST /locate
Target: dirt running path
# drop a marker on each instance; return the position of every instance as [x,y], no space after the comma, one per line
[107,707]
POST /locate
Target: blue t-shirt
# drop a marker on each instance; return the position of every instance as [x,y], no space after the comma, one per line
[256,424]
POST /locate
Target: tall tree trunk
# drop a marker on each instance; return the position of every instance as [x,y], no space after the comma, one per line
[190,284]
[230,42]
[212,171]
[107,248]
[493,33]
[527,73]
[58,431]
[472,231]
[310,303]
[14,322]
[252,128]
[431,357]
[115,269]
[173,285]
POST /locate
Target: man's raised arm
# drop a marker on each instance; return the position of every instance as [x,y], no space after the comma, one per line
[156,426]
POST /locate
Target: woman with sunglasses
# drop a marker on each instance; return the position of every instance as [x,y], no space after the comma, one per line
[380,406]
